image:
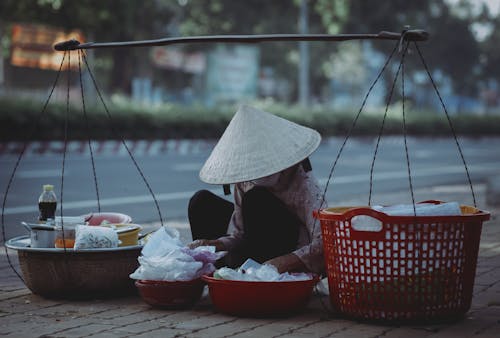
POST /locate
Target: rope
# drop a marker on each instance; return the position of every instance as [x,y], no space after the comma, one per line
[18,161]
[332,170]
[64,150]
[389,99]
[116,134]
[449,121]
[349,133]
[80,56]
[405,138]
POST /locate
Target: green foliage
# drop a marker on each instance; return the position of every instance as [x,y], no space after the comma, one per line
[452,47]
[18,121]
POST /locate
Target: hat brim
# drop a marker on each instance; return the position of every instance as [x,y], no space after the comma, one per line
[257,144]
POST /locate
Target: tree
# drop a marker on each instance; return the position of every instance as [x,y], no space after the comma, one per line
[451,48]
[118,20]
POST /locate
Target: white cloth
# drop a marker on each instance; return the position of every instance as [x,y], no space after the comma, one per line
[301,195]
[367,223]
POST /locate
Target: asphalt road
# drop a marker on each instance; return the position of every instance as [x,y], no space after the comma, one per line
[174,177]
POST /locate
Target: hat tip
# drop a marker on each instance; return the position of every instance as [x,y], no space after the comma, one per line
[246,107]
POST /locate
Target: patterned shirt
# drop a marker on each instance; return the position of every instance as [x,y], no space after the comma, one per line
[301,195]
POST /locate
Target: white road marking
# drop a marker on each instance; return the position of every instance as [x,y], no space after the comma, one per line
[416,172]
[181,195]
[41,173]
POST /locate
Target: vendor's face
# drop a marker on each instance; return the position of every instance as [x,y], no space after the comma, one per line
[267,181]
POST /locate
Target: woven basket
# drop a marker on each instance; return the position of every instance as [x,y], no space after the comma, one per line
[80,274]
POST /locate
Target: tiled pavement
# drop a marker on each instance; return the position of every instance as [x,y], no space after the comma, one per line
[23,314]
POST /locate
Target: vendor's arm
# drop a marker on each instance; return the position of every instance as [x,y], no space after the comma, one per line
[310,249]
[312,256]
[235,230]
[219,246]
[287,263]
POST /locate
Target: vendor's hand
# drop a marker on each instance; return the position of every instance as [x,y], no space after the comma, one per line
[219,246]
[288,262]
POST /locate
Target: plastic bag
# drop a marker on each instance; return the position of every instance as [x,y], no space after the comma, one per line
[165,258]
[170,268]
[95,237]
[253,271]
[161,242]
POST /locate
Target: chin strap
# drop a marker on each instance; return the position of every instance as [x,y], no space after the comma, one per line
[227,189]
[306,164]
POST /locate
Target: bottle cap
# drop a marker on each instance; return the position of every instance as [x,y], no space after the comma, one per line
[48,187]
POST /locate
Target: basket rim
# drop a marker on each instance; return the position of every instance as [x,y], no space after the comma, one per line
[150,282]
[212,280]
[21,243]
[343,213]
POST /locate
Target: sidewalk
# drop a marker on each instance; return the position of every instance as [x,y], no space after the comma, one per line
[23,314]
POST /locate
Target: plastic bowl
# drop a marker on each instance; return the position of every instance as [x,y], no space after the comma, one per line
[260,299]
[97,218]
[128,234]
[170,295]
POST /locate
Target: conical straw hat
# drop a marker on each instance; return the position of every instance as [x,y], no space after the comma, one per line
[256,144]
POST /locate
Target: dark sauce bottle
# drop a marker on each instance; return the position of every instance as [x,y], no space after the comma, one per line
[47,203]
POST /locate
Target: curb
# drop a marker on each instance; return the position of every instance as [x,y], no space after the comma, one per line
[108,147]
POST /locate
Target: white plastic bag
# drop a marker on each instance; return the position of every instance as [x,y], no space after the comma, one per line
[95,237]
[161,242]
[253,271]
[165,258]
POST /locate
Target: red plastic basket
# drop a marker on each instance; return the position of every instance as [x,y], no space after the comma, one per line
[414,268]
[170,295]
[259,299]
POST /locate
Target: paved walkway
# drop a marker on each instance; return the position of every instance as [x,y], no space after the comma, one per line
[23,314]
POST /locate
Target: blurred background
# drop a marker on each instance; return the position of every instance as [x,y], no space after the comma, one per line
[289,78]
[171,103]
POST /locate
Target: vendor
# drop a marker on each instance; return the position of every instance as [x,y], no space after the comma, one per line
[275,193]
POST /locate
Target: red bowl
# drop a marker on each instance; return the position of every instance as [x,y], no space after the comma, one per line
[259,299]
[112,217]
[171,295]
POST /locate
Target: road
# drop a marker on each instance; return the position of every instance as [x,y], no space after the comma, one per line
[173,177]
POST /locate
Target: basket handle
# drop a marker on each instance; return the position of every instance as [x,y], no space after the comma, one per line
[365,220]
[378,215]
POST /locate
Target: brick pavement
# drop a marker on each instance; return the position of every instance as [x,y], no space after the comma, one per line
[23,314]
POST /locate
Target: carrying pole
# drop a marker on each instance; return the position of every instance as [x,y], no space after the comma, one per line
[407,35]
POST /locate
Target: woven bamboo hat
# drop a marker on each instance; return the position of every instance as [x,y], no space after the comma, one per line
[256,144]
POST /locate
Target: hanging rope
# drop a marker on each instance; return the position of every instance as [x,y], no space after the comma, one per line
[116,134]
[87,127]
[389,99]
[449,121]
[405,138]
[19,158]
[353,125]
[349,133]
[65,133]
